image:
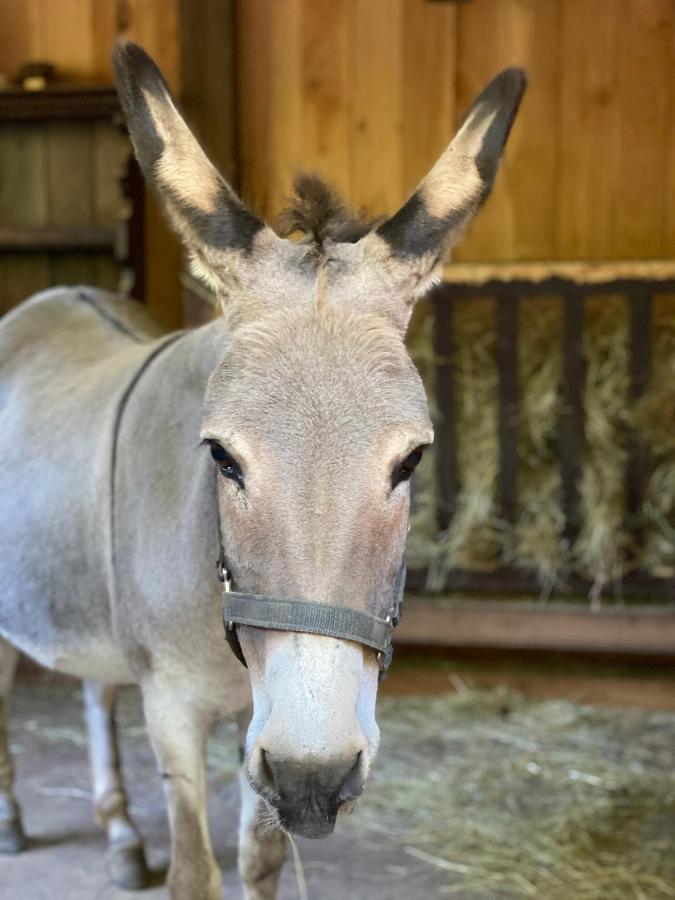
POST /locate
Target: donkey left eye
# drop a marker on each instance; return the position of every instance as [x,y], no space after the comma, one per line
[226,463]
[406,467]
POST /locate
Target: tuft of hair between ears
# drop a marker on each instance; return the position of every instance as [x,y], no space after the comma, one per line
[316,213]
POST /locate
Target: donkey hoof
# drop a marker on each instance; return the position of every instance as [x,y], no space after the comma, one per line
[12,838]
[128,868]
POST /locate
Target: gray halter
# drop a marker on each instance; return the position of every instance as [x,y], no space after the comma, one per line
[310,617]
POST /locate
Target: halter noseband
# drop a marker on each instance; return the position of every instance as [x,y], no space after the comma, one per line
[310,617]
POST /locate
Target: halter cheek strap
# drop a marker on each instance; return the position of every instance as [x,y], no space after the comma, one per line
[310,617]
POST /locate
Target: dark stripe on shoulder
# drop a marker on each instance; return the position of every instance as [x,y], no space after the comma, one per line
[107,316]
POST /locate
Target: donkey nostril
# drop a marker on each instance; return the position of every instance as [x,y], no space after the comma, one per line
[352,786]
[266,771]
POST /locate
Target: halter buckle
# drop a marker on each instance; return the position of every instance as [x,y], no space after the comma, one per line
[224,575]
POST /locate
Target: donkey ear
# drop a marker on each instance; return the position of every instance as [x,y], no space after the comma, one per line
[202,206]
[435,217]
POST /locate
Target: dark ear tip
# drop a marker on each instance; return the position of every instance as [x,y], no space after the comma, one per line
[126,52]
[131,62]
[512,82]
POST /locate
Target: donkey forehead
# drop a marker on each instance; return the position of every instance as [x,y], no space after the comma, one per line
[315,370]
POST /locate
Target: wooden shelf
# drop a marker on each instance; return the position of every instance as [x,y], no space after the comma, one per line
[59,239]
[60,102]
[560,627]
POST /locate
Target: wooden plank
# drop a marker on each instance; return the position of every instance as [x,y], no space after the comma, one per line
[72,269]
[57,238]
[648,631]
[58,102]
[70,174]
[107,273]
[599,680]
[23,181]
[208,78]
[325,73]
[23,204]
[253,76]
[646,48]
[640,354]
[558,285]
[445,428]
[156,26]
[507,367]
[133,255]
[15,41]
[22,277]
[601,274]
[572,439]
[269,101]
[669,175]
[518,221]
[70,187]
[428,95]
[65,36]
[106,20]
[505,581]
[111,151]
[588,128]
[377,161]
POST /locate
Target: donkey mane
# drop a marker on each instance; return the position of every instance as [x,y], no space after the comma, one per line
[315,212]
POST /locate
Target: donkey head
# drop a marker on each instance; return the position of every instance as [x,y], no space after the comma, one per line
[316,417]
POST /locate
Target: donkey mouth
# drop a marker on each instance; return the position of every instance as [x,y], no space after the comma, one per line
[314,825]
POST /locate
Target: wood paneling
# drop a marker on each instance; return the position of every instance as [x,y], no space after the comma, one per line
[645,80]
[377,133]
[23,201]
[78,36]
[590,167]
[351,89]
[429,102]
[587,128]
[518,221]
[325,90]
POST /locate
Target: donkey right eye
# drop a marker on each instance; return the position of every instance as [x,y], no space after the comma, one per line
[226,463]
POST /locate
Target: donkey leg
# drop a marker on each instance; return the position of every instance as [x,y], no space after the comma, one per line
[11,833]
[178,732]
[262,848]
[126,859]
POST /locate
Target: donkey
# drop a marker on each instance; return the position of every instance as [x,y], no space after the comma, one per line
[315,419]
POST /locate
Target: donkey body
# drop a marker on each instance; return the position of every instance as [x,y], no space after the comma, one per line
[315,418]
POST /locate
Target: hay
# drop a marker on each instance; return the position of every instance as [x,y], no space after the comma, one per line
[602,552]
[519,799]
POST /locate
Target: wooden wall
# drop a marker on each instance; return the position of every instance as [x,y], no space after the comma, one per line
[78,35]
[58,174]
[367,93]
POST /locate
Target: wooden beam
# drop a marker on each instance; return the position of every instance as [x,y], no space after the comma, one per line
[64,103]
[58,239]
[637,464]
[446,438]
[572,437]
[507,366]
[639,630]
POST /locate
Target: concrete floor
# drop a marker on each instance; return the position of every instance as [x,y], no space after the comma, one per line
[65,859]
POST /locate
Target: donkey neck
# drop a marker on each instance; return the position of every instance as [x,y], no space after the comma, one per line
[165,505]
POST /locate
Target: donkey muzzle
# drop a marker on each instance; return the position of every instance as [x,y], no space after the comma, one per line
[307,796]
